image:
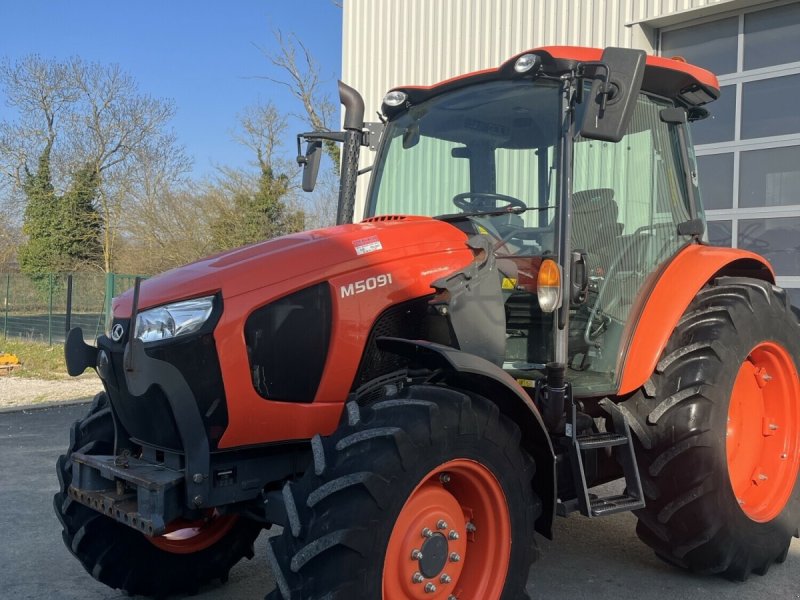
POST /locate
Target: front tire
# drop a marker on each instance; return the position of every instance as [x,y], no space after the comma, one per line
[424,495]
[718,428]
[123,558]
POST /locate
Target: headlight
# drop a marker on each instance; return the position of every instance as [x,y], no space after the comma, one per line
[173,320]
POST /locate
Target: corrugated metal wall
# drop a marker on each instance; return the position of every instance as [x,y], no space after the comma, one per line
[420,42]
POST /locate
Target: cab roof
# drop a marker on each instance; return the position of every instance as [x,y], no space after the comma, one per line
[672,78]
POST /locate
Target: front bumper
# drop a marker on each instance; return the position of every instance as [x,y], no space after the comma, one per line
[147,486]
[162,469]
[141,494]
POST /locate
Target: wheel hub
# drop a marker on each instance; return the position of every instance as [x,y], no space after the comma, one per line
[763,432]
[435,551]
[188,537]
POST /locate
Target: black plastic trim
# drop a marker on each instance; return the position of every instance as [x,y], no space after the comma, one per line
[287,344]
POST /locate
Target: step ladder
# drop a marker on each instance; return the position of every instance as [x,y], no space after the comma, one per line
[591,505]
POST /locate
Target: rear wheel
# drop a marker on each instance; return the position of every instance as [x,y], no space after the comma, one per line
[424,495]
[718,428]
[190,554]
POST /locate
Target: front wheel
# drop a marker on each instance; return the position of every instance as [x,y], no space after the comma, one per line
[424,495]
[189,555]
[718,428]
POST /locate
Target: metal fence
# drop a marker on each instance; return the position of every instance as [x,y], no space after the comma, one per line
[35,307]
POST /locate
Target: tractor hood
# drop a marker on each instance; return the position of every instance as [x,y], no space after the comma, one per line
[305,257]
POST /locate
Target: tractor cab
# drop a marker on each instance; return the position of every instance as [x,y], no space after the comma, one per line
[534,157]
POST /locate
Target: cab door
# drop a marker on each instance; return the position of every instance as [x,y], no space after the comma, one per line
[628,199]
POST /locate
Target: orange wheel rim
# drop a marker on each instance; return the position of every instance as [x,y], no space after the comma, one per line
[187,537]
[763,432]
[452,537]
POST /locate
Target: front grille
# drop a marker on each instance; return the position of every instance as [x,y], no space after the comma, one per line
[149,418]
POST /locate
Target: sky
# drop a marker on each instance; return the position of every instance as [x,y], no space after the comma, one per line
[206,56]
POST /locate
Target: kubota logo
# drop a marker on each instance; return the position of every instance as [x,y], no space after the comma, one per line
[117,332]
[365,285]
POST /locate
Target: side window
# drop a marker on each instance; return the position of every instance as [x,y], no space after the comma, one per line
[628,199]
[642,174]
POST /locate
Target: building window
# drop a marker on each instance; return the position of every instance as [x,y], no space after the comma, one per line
[749,148]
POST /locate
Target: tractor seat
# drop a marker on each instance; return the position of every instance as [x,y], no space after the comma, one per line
[594,225]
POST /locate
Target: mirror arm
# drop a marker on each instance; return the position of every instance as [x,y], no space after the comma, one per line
[598,66]
[315,136]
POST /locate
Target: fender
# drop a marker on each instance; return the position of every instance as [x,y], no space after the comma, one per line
[678,284]
[470,372]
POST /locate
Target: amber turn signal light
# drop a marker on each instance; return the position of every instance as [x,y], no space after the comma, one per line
[548,286]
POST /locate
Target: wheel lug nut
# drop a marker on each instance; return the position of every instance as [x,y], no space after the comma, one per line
[416,555]
[455,557]
[471,527]
[444,477]
[445,578]
[426,533]
[417,578]
[430,588]
[442,524]
[453,535]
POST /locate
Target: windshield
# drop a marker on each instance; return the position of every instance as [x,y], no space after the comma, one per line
[481,157]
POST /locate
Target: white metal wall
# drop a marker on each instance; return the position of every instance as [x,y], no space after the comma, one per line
[386,43]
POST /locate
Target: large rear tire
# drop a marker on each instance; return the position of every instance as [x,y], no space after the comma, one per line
[424,495]
[125,559]
[718,428]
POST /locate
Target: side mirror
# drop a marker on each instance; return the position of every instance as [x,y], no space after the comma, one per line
[310,164]
[613,97]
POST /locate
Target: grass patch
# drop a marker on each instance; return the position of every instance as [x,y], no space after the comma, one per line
[38,359]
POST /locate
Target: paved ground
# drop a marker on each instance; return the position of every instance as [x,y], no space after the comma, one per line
[28,391]
[598,560]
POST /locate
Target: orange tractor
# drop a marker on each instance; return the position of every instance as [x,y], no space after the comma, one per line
[526,312]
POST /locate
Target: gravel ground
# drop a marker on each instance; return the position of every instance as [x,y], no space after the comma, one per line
[23,391]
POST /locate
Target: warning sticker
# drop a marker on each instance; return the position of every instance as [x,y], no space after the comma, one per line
[367,245]
[509,283]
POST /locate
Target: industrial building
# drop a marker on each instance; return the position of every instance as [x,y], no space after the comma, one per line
[748,150]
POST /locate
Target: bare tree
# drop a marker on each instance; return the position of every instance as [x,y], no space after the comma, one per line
[299,72]
[9,241]
[90,124]
[301,76]
[132,198]
[42,93]
[263,131]
[251,207]
[166,230]
[115,120]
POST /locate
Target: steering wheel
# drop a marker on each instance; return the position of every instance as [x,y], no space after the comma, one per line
[461,202]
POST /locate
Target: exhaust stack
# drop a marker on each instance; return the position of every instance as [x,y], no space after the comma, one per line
[353,135]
